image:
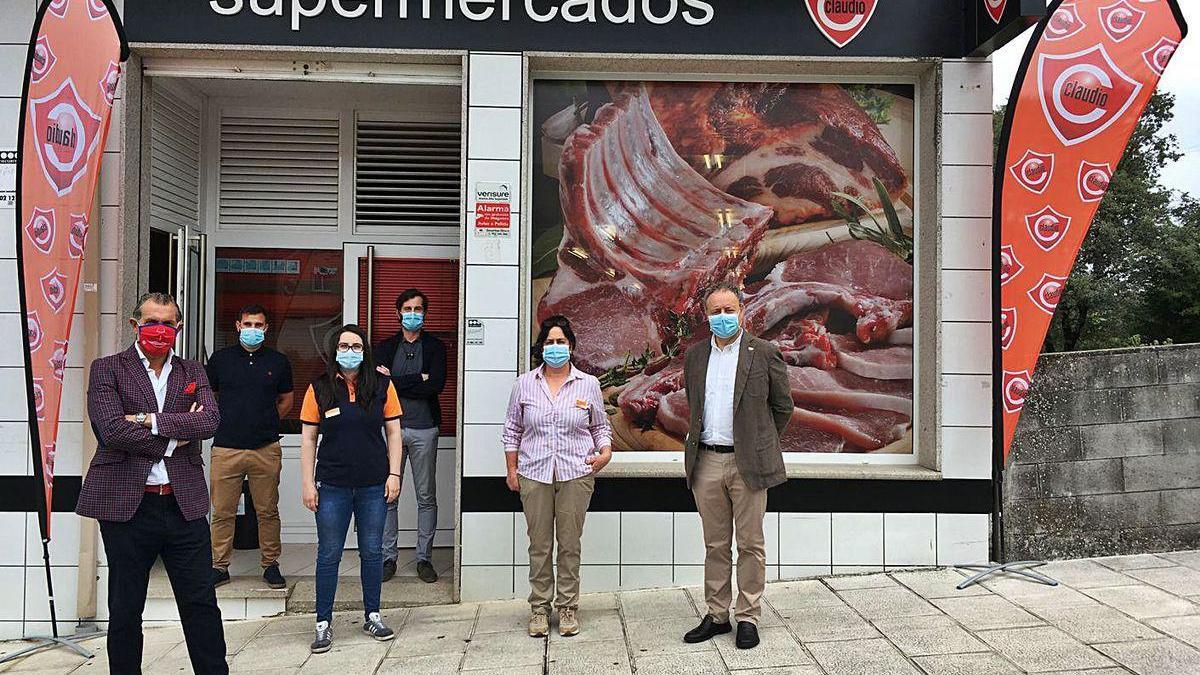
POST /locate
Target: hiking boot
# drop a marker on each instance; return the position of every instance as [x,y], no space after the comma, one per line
[426,572]
[273,577]
[324,638]
[539,624]
[568,622]
[373,626]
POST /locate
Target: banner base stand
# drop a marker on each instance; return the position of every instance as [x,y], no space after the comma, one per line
[1019,567]
[40,643]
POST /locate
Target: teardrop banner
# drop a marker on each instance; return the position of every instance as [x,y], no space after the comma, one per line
[1087,75]
[71,77]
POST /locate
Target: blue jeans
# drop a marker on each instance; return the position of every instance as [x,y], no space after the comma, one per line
[335,504]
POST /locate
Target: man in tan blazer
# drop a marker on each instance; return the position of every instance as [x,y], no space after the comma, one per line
[737,389]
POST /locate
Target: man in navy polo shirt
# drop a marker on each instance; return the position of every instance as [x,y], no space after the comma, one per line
[254,390]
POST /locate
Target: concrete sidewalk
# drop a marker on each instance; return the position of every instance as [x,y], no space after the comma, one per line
[1137,614]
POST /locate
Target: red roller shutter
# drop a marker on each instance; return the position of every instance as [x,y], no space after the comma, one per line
[438,280]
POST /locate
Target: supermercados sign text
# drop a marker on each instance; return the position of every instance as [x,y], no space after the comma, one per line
[693,12]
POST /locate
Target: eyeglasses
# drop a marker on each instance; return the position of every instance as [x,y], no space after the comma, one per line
[345,347]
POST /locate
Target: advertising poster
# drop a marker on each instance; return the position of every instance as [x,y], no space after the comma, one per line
[645,194]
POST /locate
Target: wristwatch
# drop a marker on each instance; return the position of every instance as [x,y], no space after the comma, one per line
[140,418]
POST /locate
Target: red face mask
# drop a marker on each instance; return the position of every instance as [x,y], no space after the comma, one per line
[156,339]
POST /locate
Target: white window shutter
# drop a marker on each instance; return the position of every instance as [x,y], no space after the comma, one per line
[174,161]
[278,172]
[407,174]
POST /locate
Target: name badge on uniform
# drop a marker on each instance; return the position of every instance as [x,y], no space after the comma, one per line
[333,412]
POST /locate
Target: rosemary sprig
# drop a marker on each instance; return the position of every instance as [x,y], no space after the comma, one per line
[892,236]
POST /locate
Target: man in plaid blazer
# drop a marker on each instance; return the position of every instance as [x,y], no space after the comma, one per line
[150,411]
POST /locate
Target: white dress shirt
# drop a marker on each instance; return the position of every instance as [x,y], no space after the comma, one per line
[718,393]
[158,472]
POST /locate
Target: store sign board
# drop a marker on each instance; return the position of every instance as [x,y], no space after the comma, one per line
[895,28]
[493,210]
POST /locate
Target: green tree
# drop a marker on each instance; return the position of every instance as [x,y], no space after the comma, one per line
[1119,271]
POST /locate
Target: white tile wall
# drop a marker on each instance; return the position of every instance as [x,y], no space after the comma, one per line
[909,538]
[688,575]
[966,295]
[12,593]
[967,243]
[494,133]
[646,576]
[12,64]
[857,538]
[596,578]
[492,291]
[967,86]
[18,20]
[601,543]
[483,452]
[487,538]
[967,191]
[14,450]
[646,538]
[495,79]
[485,396]
[499,348]
[962,538]
[805,539]
[967,452]
[967,348]
[967,139]
[967,400]
[490,582]
[803,571]
[689,539]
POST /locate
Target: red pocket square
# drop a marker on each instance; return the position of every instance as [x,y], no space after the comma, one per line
[190,388]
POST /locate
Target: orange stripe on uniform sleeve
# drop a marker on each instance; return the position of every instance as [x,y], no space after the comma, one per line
[310,413]
[392,409]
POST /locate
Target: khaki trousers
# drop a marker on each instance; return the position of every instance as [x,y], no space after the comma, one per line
[726,505]
[555,511]
[261,467]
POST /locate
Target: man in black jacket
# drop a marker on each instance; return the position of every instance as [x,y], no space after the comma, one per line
[416,363]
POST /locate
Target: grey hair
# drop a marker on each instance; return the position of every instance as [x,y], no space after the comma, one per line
[725,286]
[158,299]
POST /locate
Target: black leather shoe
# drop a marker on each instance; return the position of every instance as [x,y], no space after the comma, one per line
[426,572]
[389,569]
[273,577]
[220,577]
[707,630]
[747,635]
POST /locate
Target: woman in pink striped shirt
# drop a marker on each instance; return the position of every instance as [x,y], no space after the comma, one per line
[556,439]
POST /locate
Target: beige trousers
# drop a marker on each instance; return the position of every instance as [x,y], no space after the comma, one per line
[555,511]
[261,468]
[726,505]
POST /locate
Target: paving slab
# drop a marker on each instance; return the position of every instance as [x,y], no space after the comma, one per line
[504,650]
[803,593]
[692,663]
[607,657]
[987,611]
[776,647]
[448,637]
[939,583]
[1188,558]
[1155,657]
[1043,648]
[857,657]
[1138,561]
[1183,628]
[987,663]
[1091,625]
[824,624]
[273,651]
[662,636]
[598,624]
[346,659]
[1178,580]
[1083,574]
[502,617]
[878,603]
[930,635]
[643,605]
[853,581]
[428,664]
[1142,601]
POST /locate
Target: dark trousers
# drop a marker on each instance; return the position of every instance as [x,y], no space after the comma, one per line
[156,530]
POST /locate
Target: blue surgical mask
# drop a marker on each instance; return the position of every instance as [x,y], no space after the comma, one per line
[723,325]
[412,320]
[251,337]
[556,355]
[349,360]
